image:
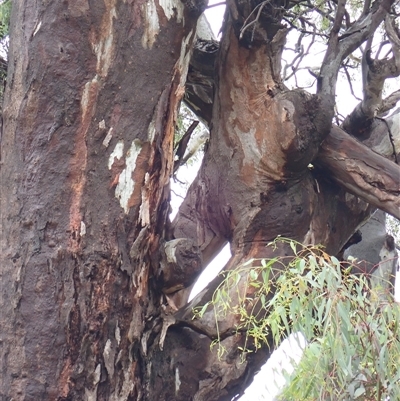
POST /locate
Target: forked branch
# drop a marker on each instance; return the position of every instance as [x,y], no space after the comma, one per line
[341,46]
[375,72]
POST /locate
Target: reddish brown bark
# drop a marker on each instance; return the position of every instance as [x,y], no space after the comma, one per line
[89,118]
[90,264]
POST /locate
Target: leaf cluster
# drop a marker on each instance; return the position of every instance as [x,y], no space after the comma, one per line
[353,350]
[5,13]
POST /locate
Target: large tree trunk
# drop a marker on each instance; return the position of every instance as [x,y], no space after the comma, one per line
[89,119]
[92,271]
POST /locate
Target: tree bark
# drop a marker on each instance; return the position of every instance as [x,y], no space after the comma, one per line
[92,270]
[361,171]
[89,118]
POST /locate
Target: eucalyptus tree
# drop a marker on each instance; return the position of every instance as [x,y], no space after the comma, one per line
[94,275]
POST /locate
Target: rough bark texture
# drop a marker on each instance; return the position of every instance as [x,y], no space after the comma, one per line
[89,114]
[92,271]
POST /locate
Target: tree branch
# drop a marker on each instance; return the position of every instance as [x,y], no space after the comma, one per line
[340,47]
[383,137]
[361,171]
[389,102]
[375,72]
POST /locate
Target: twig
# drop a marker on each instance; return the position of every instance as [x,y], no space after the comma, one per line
[350,84]
[222,3]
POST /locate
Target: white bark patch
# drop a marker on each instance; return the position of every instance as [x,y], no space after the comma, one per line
[170,248]
[144,213]
[91,395]
[107,348]
[184,58]
[126,185]
[203,29]
[108,137]
[83,229]
[117,153]
[117,334]
[309,238]
[172,8]
[108,356]
[151,24]
[102,124]
[119,356]
[143,342]
[85,100]
[127,387]
[96,376]
[249,145]
[36,30]
[152,130]
[103,52]
[177,380]
[169,320]
[104,48]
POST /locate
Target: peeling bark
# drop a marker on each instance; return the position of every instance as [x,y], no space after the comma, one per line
[93,270]
[87,156]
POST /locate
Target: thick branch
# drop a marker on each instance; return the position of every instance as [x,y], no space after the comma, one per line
[361,171]
[375,73]
[383,136]
[340,47]
[389,103]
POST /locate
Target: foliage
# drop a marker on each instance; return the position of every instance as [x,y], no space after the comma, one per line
[353,347]
[5,12]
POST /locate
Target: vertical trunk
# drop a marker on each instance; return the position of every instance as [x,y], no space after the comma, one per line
[253,186]
[89,115]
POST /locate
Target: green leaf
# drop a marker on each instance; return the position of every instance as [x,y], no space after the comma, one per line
[253,274]
[265,276]
[344,313]
[359,392]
